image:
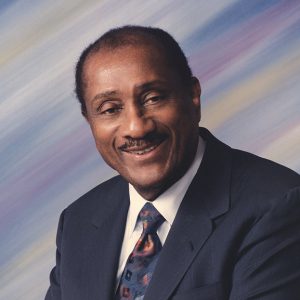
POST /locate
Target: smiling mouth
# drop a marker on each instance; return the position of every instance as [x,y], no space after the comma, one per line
[142,146]
[142,151]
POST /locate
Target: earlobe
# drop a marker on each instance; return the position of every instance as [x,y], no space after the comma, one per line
[196,89]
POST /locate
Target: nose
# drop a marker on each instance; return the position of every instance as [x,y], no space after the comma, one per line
[136,124]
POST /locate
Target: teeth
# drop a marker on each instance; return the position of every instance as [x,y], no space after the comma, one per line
[141,152]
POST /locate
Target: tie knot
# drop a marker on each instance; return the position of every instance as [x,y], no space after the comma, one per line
[150,217]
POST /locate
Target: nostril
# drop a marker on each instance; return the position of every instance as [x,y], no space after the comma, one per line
[137,127]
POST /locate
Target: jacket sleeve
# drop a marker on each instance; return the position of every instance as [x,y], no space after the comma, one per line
[54,291]
[268,265]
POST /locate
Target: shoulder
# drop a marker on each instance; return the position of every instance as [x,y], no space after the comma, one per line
[104,196]
[248,174]
[257,172]
[252,184]
[261,184]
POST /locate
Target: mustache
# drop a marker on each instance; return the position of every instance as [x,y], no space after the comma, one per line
[149,139]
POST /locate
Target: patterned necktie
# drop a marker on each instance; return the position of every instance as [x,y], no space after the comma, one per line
[141,262]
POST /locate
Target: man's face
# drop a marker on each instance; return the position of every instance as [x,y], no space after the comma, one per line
[145,123]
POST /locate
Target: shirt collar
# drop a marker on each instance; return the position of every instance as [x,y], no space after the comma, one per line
[167,203]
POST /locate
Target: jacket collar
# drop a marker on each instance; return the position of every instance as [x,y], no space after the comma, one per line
[206,199]
[105,240]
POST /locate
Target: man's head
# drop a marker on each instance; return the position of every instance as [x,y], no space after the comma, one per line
[134,36]
[143,105]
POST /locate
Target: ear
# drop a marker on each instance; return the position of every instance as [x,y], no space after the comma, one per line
[85,115]
[196,93]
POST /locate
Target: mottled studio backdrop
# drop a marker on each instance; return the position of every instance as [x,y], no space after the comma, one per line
[246,54]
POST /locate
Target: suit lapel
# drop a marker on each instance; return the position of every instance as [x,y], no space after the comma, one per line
[104,244]
[206,198]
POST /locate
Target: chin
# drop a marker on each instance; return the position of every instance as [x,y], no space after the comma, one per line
[150,187]
[146,183]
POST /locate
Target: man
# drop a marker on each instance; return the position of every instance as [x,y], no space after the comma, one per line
[188,217]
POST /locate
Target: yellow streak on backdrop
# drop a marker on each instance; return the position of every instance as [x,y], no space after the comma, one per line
[249,92]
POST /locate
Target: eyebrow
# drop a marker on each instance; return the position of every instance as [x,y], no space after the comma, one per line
[104,95]
[149,85]
[140,87]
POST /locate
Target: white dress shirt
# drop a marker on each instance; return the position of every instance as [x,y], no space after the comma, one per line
[167,204]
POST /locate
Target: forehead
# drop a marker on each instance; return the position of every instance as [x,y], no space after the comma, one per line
[112,57]
[125,64]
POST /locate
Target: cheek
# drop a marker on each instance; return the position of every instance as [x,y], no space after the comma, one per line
[178,122]
[170,116]
[103,137]
[184,128]
[105,146]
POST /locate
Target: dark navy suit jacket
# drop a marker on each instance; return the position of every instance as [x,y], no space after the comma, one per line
[236,235]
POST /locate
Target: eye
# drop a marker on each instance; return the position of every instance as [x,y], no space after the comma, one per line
[110,111]
[109,108]
[153,99]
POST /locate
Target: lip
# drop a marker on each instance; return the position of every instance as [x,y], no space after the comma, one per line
[147,151]
[143,150]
